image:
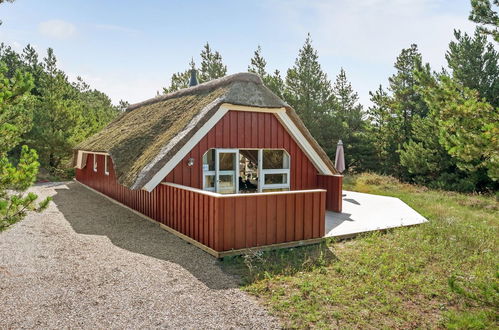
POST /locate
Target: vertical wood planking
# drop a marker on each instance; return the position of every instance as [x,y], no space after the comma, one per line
[290,217]
[251,215]
[271,219]
[281,218]
[240,223]
[316,200]
[307,219]
[261,227]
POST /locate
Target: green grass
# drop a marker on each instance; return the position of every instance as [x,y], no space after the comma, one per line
[444,273]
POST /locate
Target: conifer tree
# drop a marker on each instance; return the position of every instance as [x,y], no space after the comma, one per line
[353,130]
[276,84]
[180,80]
[56,117]
[475,63]
[273,81]
[393,114]
[15,179]
[211,65]
[484,12]
[308,91]
[258,64]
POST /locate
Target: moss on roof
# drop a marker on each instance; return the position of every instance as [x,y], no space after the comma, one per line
[137,136]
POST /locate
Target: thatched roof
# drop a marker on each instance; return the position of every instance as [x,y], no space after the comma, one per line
[144,138]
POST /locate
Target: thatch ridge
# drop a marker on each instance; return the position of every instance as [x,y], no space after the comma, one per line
[201,88]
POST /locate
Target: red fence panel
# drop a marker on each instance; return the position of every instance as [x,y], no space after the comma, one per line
[333,184]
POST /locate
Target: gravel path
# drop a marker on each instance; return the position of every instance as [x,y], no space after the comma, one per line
[89,263]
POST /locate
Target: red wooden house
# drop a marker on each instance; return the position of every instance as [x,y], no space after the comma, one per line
[226,165]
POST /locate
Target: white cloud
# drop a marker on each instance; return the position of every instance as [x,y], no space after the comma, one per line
[57,29]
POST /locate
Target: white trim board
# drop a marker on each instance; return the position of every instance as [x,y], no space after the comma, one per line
[280,113]
[218,195]
[184,151]
[79,157]
[305,146]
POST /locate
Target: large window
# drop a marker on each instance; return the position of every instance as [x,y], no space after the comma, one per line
[275,170]
[246,170]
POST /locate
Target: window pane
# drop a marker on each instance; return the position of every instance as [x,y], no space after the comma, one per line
[227,161]
[209,181]
[226,184]
[209,160]
[275,159]
[281,178]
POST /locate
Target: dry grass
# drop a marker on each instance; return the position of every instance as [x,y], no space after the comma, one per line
[440,274]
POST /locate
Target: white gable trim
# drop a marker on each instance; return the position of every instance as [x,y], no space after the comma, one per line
[306,147]
[223,109]
[168,167]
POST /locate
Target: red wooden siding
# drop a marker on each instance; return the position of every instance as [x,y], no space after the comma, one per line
[242,129]
[219,222]
[139,200]
[242,221]
[333,185]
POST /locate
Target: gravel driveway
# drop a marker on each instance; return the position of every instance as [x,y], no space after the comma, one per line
[89,263]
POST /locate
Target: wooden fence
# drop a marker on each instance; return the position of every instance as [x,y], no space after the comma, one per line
[226,222]
[333,184]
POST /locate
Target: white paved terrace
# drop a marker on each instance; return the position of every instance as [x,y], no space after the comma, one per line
[366,212]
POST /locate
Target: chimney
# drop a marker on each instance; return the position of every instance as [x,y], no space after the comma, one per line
[194,80]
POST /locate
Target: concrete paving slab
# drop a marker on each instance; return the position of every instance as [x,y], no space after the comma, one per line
[366,212]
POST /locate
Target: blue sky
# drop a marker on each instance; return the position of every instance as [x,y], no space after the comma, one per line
[129,49]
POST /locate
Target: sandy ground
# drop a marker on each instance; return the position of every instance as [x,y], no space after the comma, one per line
[88,263]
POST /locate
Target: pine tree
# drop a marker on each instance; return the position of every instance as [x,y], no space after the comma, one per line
[211,65]
[348,111]
[273,81]
[475,63]
[392,114]
[308,91]
[258,64]
[276,84]
[15,179]
[468,127]
[407,101]
[180,80]
[56,117]
[384,130]
[483,13]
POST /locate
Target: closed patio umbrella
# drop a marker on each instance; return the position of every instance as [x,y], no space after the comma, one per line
[339,161]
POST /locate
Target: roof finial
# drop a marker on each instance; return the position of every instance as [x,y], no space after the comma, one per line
[193,81]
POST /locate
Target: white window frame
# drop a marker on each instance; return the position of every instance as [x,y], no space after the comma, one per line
[106,168]
[261,171]
[234,173]
[208,173]
[95,162]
